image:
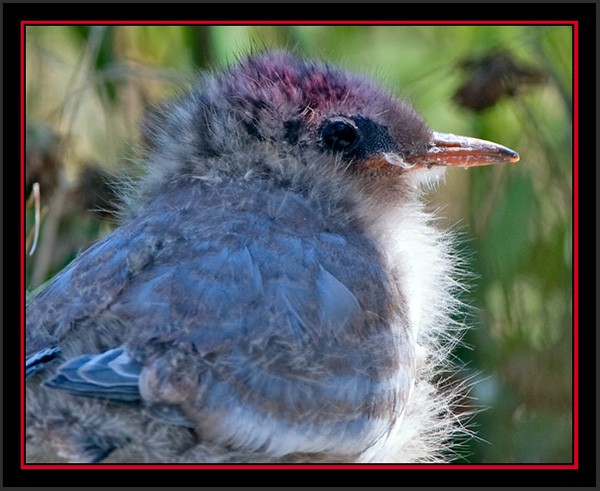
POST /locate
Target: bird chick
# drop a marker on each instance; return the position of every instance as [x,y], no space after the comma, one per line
[275,292]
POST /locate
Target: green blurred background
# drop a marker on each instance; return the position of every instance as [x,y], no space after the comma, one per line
[87,88]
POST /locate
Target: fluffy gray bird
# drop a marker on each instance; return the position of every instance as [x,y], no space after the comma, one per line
[275,293]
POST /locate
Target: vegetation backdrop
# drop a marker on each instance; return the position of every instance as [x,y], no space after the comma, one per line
[87,88]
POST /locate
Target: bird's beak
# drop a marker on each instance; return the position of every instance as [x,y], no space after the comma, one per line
[448,149]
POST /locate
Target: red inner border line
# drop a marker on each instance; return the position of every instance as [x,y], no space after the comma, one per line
[574,465]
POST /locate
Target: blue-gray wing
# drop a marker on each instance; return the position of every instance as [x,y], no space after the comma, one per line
[249,299]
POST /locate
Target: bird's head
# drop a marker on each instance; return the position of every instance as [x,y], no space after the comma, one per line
[280,117]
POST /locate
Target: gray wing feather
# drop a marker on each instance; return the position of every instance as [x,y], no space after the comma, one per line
[38,359]
[110,375]
[214,300]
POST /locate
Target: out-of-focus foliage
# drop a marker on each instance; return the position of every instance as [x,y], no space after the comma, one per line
[87,89]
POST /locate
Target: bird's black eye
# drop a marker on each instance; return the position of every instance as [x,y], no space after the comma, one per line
[339,136]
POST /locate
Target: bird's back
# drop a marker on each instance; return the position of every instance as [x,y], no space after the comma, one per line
[251,317]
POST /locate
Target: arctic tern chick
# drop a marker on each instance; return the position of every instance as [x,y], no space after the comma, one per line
[275,293]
